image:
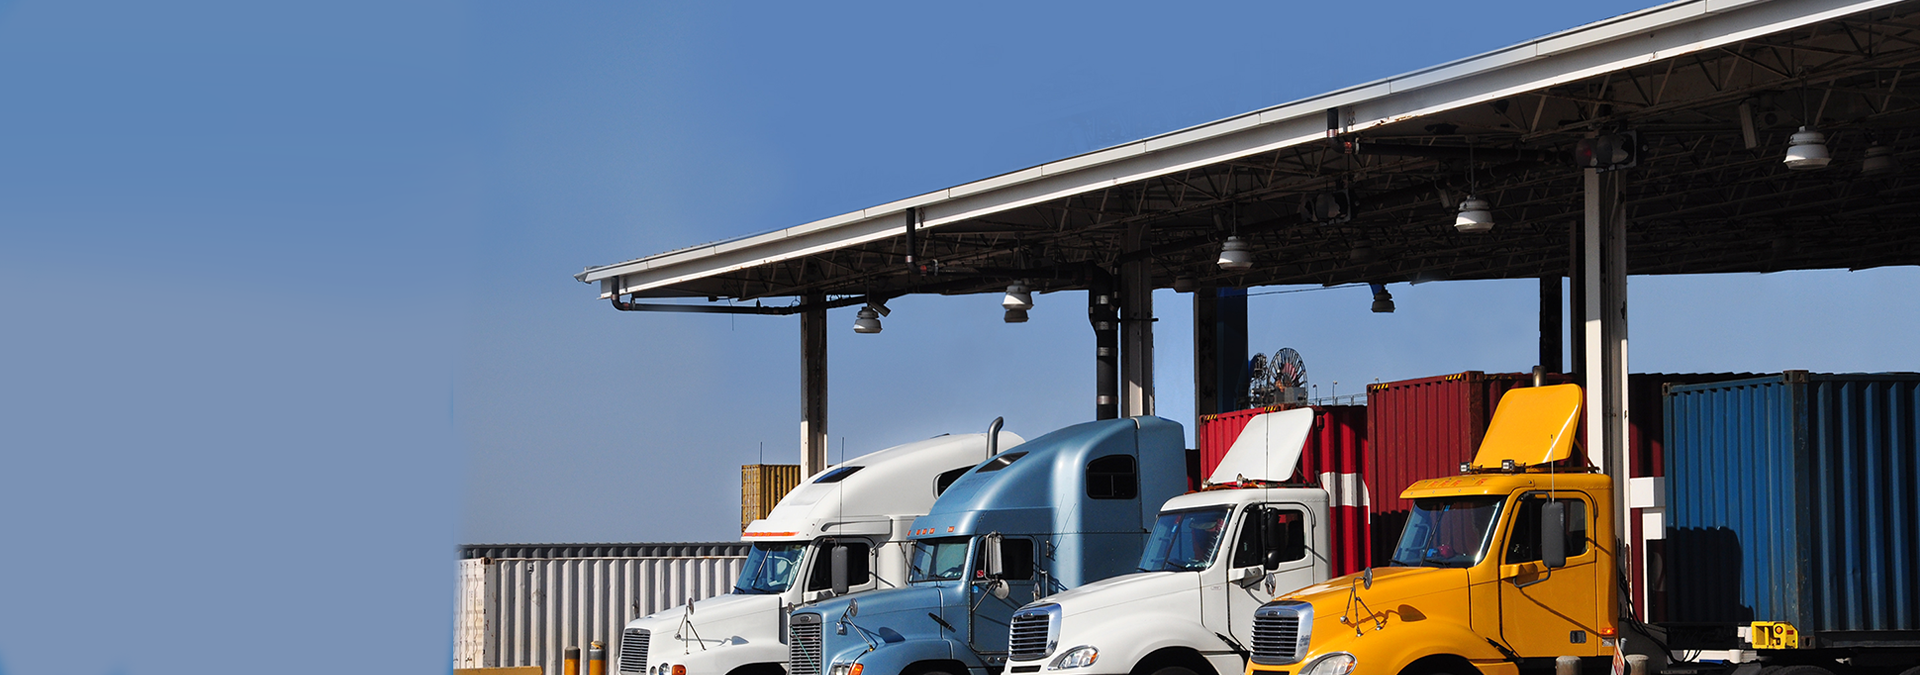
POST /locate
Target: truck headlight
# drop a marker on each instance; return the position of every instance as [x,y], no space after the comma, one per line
[1078,657]
[1337,663]
[848,668]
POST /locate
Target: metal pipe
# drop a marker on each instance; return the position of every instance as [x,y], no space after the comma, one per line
[993,436]
[729,309]
[571,666]
[1106,343]
[597,658]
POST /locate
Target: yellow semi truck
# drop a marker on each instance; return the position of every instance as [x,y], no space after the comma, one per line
[1508,568]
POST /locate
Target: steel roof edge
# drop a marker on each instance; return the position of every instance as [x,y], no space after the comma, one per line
[1256,131]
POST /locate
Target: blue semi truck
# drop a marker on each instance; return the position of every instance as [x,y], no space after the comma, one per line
[1068,508]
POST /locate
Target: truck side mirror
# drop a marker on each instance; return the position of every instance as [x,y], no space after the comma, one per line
[990,550]
[1553,534]
[840,564]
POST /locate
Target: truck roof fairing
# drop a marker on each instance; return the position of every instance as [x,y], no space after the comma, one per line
[897,481]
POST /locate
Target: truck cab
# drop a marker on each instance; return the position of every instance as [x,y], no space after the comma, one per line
[1065,509]
[857,512]
[1213,558]
[1500,570]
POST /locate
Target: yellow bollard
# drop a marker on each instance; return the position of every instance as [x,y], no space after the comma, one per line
[572,665]
[597,659]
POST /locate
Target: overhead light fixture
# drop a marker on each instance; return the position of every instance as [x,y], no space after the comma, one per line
[1808,151]
[867,321]
[1235,255]
[1015,315]
[1475,216]
[1382,300]
[1879,161]
[1018,297]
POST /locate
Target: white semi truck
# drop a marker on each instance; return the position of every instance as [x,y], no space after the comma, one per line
[859,510]
[1214,557]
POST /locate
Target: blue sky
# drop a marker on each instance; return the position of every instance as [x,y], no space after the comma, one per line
[289,313]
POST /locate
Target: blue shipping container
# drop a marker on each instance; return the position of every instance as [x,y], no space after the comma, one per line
[1796,497]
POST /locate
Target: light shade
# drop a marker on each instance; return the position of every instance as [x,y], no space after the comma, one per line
[1018,297]
[1476,216]
[1808,151]
[1234,255]
[867,321]
[1382,300]
[1879,161]
[1015,315]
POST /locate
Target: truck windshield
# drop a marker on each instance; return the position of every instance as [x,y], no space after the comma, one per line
[770,568]
[1184,540]
[940,559]
[1447,532]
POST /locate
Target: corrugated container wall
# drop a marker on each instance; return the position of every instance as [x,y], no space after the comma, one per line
[1334,459]
[1796,498]
[1424,428]
[524,608]
[762,486]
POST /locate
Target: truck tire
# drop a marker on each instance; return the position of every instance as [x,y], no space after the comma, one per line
[1174,670]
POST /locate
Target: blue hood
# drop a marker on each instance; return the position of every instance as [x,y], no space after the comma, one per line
[890,614]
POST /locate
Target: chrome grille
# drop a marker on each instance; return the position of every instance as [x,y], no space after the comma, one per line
[1032,634]
[1281,632]
[803,645]
[633,650]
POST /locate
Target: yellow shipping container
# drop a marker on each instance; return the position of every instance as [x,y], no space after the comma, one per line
[762,486]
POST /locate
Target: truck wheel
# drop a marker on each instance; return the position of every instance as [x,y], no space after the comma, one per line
[1174,670]
[1911,671]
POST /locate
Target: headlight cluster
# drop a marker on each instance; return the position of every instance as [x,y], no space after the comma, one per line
[667,669]
[848,668]
[1078,657]
[1337,663]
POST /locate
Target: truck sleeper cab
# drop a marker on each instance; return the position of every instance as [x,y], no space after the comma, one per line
[857,512]
[1063,510]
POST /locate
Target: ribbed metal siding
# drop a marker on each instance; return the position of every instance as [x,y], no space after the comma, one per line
[1337,445]
[531,609]
[762,486]
[1793,498]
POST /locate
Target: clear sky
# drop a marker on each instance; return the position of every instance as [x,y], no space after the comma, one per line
[288,311]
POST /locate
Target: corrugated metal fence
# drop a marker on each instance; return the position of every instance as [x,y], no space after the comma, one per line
[524,605]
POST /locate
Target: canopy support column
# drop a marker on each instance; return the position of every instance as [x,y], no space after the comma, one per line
[1550,324]
[813,386]
[1219,350]
[1136,335]
[1605,252]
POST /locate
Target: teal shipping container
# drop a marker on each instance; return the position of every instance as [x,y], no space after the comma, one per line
[1796,497]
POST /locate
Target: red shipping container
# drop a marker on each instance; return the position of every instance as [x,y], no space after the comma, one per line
[1334,459]
[1425,428]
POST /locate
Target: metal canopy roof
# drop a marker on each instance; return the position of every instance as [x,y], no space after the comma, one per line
[1405,151]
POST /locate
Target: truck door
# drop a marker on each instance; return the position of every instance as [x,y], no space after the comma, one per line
[992,616]
[1269,557]
[1550,612]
